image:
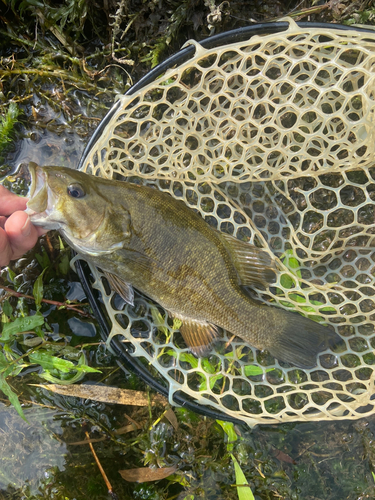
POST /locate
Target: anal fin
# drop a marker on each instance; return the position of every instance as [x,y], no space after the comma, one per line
[253,264]
[199,337]
[121,287]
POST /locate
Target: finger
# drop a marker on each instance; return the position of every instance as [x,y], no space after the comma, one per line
[10,202]
[22,235]
[5,250]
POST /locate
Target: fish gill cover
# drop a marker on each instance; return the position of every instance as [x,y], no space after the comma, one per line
[270,140]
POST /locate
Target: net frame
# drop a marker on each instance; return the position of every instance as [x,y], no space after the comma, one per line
[340,407]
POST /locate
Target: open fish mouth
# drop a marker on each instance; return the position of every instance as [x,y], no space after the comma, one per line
[42,202]
[38,193]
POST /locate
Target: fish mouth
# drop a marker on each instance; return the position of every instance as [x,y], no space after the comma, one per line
[41,204]
[32,172]
[38,194]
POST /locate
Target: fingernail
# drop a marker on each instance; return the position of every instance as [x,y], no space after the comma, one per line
[26,228]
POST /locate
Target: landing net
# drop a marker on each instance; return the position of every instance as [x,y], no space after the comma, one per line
[272,140]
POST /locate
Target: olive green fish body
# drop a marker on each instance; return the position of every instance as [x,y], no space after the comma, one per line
[144,238]
[178,260]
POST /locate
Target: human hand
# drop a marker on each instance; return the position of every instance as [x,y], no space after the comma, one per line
[17,233]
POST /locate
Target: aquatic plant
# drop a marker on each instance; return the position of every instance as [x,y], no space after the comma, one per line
[26,335]
[8,120]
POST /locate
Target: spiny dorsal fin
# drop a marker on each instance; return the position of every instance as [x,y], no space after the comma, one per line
[253,264]
[199,336]
[121,287]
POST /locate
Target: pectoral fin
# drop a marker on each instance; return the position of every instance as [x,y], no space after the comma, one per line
[121,287]
[253,264]
[199,336]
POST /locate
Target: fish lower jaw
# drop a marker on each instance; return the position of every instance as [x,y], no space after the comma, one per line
[43,220]
[88,247]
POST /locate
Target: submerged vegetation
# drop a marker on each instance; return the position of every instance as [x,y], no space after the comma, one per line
[62,64]
[7,126]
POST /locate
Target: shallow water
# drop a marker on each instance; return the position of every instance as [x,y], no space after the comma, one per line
[46,458]
[53,142]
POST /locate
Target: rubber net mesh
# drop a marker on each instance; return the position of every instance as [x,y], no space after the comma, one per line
[270,140]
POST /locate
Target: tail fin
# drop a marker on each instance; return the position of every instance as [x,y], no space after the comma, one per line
[300,340]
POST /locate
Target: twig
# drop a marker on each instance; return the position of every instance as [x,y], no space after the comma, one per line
[51,302]
[106,480]
[49,244]
[304,12]
[88,441]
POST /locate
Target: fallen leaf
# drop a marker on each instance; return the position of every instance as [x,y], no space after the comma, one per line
[130,428]
[145,474]
[104,394]
[170,415]
[280,455]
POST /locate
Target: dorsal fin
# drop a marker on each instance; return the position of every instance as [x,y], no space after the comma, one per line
[121,287]
[253,264]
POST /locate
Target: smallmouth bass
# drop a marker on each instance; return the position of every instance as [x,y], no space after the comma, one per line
[143,238]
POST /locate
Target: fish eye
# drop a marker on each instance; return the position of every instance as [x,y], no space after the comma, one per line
[76,191]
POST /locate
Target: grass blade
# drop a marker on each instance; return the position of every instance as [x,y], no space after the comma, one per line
[12,396]
[243,490]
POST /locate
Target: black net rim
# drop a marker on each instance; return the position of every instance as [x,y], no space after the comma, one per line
[83,271]
[238,35]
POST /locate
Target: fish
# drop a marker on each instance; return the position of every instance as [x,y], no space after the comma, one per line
[144,239]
